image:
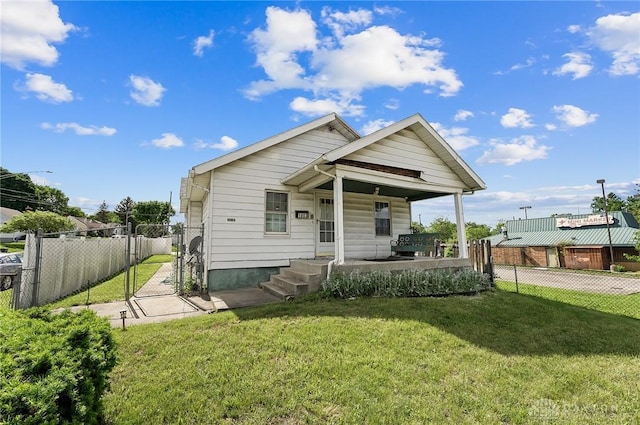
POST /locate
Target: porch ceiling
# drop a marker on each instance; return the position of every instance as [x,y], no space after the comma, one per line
[354,186]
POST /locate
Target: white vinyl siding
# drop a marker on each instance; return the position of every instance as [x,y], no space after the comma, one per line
[237,221]
[405,150]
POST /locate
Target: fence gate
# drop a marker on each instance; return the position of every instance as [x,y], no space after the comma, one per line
[147,240]
[189,264]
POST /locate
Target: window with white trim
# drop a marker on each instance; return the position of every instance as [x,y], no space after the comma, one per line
[383,219]
[276,212]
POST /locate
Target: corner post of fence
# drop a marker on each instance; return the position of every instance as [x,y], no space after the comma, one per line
[36,272]
[127,263]
[515,274]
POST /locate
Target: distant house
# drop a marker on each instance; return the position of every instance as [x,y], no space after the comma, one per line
[319,190]
[88,227]
[575,241]
[7,214]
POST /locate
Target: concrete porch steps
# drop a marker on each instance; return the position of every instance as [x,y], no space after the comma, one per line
[300,278]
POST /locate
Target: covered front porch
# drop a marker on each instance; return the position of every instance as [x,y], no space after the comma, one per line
[391,189]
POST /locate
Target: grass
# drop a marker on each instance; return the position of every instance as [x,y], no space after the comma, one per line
[113,289]
[498,357]
[13,246]
[628,305]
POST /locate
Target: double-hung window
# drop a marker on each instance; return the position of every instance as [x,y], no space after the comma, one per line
[276,212]
[383,219]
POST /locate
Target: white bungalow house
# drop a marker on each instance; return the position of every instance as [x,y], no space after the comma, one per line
[319,190]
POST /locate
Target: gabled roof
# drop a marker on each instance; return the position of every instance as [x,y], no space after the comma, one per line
[422,129]
[331,119]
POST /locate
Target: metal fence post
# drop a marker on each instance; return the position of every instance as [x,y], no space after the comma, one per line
[36,272]
[127,263]
[515,273]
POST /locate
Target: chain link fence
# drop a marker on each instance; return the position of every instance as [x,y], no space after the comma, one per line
[56,265]
[611,292]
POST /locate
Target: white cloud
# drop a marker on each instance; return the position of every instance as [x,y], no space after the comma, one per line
[226,144]
[28,31]
[145,91]
[326,106]
[462,115]
[455,136]
[573,116]
[551,127]
[516,118]
[202,42]
[392,104]
[338,68]
[524,148]
[46,89]
[529,62]
[80,130]
[618,35]
[578,64]
[375,125]
[341,22]
[574,29]
[168,141]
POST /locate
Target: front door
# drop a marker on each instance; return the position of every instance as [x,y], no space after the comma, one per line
[325,227]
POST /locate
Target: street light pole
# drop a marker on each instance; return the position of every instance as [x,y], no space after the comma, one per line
[606,217]
[525,210]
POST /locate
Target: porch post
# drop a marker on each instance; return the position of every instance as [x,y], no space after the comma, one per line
[462,234]
[338,211]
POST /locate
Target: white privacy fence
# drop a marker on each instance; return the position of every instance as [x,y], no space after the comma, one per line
[54,267]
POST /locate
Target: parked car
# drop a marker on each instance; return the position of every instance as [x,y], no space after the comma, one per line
[10,270]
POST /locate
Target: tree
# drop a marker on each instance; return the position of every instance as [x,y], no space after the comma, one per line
[445,228]
[17,191]
[476,231]
[614,203]
[74,212]
[153,212]
[125,211]
[498,229]
[31,221]
[418,227]
[103,213]
[51,199]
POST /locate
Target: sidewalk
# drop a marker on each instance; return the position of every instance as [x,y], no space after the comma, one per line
[156,302]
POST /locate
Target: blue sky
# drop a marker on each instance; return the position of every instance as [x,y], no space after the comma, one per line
[121,99]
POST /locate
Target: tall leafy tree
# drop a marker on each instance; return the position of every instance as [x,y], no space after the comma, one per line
[31,221]
[614,203]
[17,191]
[51,199]
[445,228]
[417,227]
[476,231]
[156,212]
[103,213]
[74,212]
[125,210]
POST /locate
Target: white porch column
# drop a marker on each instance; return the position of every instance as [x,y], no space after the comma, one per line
[338,212]
[462,234]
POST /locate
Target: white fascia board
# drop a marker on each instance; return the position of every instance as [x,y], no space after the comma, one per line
[378,177]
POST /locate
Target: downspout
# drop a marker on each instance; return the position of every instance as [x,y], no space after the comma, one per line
[332,262]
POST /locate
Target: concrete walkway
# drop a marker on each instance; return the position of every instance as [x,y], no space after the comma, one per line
[156,302]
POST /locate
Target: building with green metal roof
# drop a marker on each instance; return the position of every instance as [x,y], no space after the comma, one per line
[574,241]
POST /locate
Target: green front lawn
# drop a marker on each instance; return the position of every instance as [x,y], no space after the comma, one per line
[495,358]
[113,289]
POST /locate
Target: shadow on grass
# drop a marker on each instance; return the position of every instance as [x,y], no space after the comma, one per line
[507,323]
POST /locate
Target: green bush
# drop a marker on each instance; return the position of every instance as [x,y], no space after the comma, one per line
[53,367]
[405,283]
